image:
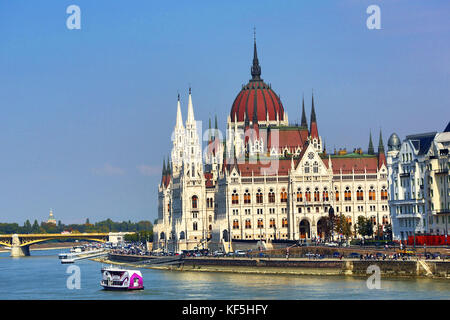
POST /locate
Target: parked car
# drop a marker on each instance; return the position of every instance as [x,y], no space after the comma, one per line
[336,254]
[331,244]
[240,253]
[218,254]
[354,255]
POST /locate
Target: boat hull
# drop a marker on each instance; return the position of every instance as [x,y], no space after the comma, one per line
[121,288]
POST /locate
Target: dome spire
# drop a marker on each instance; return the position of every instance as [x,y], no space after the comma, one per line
[256,69]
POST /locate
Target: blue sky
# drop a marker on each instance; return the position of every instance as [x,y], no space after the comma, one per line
[86,115]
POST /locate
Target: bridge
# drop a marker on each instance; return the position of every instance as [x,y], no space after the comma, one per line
[20,243]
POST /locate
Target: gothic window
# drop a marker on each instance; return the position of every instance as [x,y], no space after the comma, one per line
[260,223]
[349,220]
[384,194]
[347,194]
[359,194]
[325,195]
[234,198]
[247,197]
[271,196]
[194,202]
[373,220]
[284,222]
[299,195]
[248,224]
[308,195]
[210,219]
[195,226]
[272,223]
[371,193]
[235,224]
[181,235]
[283,195]
[259,196]
[315,167]
[306,167]
[316,195]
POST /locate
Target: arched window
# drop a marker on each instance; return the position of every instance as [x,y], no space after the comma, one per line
[162,236]
[235,224]
[248,224]
[336,192]
[385,220]
[234,197]
[372,194]
[284,222]
[306,167]
[260,223]
[283,195]
[308,195]
[349,220]
[347,194]
[315,167]
[259,196]
[299,195]
[181,235]
[272,223]
[195,226]
[325,195]
[373,220]
[194,202]
[359,194]
[247,197]
[271,196]
[316,195]
[384,194]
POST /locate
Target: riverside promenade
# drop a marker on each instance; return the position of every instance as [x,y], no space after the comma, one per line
[410,268]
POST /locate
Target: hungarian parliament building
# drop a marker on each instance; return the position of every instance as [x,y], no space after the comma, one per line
[266,180]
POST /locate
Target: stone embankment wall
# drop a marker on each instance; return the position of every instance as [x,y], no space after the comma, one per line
[388,268]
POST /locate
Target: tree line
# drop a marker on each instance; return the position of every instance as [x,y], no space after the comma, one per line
[102,226]
[363,226]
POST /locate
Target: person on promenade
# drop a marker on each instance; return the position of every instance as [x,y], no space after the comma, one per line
[287,253]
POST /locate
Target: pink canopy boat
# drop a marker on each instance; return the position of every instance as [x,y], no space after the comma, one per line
[116,278]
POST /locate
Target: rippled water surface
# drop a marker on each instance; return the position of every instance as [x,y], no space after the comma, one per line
[42,276]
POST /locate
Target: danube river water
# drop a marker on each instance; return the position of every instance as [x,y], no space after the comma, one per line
[42,276]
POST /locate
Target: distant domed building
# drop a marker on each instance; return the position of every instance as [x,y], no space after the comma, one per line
[51,218]
[267,179]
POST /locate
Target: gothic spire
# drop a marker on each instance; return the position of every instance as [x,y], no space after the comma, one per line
[370,150]
[304,122]
[179,123]
[314,133]
[256,69]
[380,144]
[190,116]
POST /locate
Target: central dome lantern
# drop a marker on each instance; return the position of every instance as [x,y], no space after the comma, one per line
[257,102]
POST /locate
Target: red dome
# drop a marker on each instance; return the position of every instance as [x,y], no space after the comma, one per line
[256,100]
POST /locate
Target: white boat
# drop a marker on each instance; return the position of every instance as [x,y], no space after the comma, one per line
[67,260]
[116,278]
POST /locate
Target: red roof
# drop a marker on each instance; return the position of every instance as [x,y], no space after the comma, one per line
[357,164]
[257,98]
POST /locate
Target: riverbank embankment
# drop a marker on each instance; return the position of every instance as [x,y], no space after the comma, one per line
[297,266]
